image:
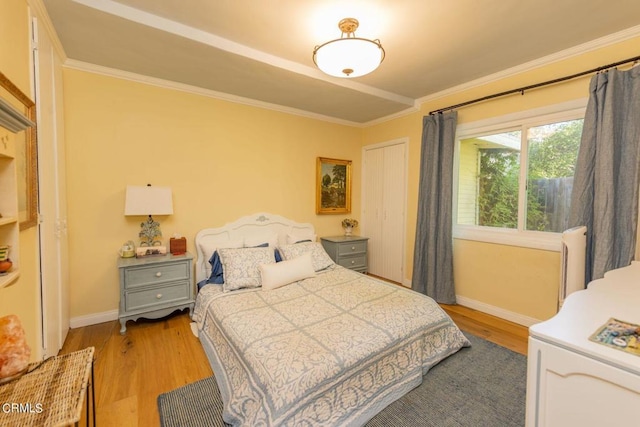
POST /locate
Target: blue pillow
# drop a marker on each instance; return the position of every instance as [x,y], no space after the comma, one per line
[217,275]
[276,252]
[202,283]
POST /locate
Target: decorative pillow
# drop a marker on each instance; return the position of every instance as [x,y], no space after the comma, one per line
[283,273]
[217,273]
[301,237]
[259,239]
[241,266]
[319,257]
[209,248]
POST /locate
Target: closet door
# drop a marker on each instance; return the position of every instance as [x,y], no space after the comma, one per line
[384,200]
[373,201]
[54,274]
[393,212]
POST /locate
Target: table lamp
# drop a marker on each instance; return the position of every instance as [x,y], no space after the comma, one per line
[148,200]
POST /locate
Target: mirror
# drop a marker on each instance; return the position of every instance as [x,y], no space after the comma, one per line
[26,151]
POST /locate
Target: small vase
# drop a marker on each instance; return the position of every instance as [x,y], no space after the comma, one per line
[348,231]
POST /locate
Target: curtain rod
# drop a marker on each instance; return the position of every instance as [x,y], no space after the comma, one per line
[534,86]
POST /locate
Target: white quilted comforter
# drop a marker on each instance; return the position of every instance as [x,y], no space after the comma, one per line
[332,350]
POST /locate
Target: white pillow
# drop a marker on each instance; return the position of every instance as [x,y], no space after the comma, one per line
[240,266]
[319,257]
[299,237]
[285,272]
[208,248]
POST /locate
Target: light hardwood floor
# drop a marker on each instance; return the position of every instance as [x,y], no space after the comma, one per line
[157,356]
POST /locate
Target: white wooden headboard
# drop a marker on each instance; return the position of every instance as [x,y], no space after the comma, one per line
[247,227]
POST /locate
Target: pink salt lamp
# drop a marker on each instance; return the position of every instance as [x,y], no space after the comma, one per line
[14,351]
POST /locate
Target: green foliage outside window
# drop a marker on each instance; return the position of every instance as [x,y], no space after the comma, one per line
[552,154]
[498,188]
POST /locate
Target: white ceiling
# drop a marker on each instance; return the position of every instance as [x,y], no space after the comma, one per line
[262,49]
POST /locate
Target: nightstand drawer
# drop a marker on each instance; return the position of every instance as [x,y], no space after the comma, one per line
[352,248]
[158,273]
[157,296]
[353,262]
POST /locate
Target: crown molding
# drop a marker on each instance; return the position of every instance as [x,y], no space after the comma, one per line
[167,84]
[39,11]
[562,55]
[399,114]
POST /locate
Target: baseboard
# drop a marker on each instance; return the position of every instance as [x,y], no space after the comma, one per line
[108,316]
[497,311]
[93,319]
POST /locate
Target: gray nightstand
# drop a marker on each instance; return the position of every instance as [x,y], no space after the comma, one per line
[154,287]
[347,251]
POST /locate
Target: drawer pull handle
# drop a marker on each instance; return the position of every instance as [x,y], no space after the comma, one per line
[353,262]
[159,296]
[353,248]
[159,274]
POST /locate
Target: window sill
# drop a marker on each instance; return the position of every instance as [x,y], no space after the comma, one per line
[524,239]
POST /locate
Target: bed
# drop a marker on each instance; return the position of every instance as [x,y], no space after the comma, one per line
[304,341]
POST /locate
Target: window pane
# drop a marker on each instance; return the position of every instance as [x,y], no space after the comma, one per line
[552,154]
[488,180]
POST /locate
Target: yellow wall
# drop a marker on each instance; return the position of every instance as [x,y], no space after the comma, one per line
[518,280]
[222,160]
[21,298]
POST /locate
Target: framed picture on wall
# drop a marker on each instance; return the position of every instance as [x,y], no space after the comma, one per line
[333,186]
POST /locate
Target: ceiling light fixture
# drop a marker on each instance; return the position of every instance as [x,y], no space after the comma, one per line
[348,56]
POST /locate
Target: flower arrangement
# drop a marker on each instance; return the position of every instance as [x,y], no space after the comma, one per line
[349,223]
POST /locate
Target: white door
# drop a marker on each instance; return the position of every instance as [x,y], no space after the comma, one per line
[54,275]
[372,204]
[384,203]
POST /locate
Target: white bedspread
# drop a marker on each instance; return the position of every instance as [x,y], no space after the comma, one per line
[332,350]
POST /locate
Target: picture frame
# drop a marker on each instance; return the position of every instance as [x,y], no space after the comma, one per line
[26,155]
[333,186]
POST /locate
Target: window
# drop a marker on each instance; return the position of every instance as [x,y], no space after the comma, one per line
[514,178]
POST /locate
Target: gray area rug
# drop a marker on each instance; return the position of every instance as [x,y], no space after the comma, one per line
[483,385]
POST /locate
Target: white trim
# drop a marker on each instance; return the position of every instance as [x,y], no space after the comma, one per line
[561,111]
[398,115]
[509,237]
[168,84]
[497,311]
[39,11]
[398,141]
[93,319]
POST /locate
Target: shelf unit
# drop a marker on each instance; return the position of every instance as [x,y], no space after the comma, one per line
[17,127]
[9,223]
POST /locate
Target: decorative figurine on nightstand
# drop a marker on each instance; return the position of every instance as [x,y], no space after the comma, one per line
[349,224]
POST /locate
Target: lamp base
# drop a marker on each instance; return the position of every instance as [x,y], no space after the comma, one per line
[150,234]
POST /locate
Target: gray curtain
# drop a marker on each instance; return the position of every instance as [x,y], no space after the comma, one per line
[433,252]
[605,189]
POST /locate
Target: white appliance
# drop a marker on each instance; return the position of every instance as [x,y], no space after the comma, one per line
[572,381]
[574,249]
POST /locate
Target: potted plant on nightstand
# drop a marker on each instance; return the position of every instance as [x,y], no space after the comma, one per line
[349,224]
